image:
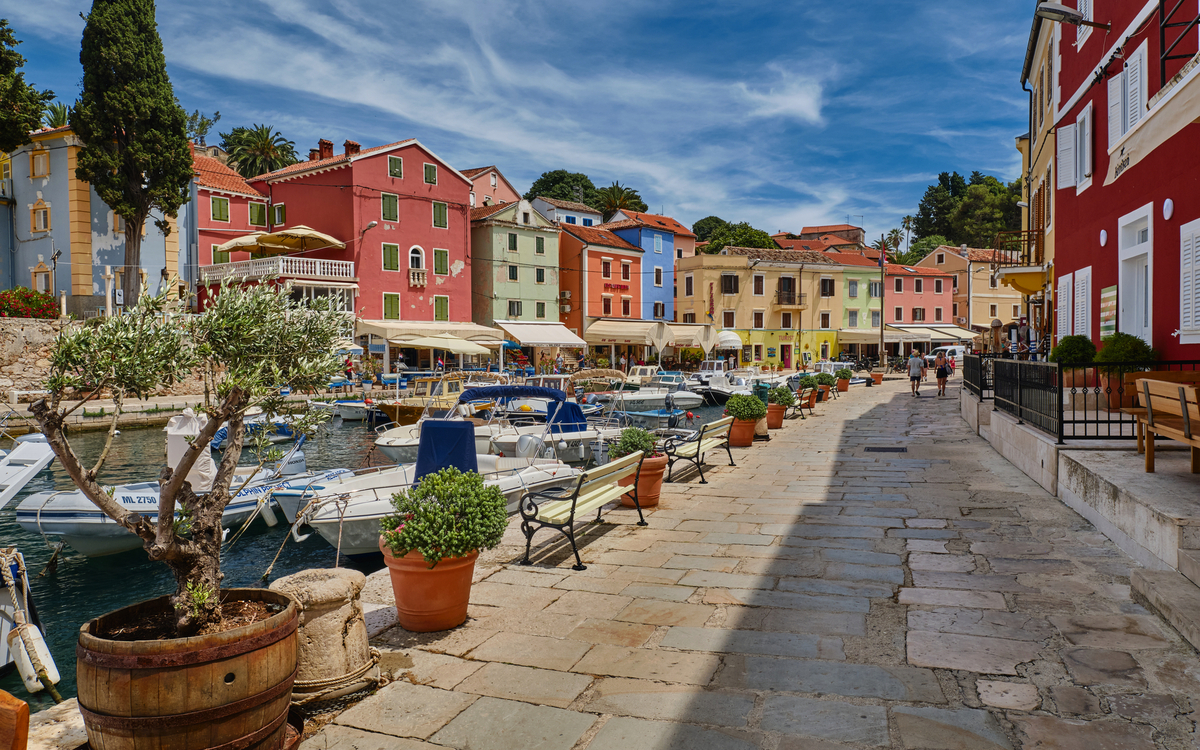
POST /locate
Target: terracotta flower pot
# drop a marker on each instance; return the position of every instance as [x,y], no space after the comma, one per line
[812,398]
[877,377]
[1115,393]
[649,482]
[429,599]
[775,414]
[1078,377]
[741,433]
[843,384]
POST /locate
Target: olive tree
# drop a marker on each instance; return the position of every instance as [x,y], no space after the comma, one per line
[249,343]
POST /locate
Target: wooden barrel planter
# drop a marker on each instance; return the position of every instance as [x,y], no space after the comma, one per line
[225,691]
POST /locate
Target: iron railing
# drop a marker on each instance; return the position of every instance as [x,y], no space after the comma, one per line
[789,297]
[1019,248]
[978,374]
[1030,391]
[1172,15]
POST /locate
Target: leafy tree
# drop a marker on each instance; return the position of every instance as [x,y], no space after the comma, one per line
[565,186]
[968,211]
[198,125]
[56,115]
[706,226]
[21,105]
[135,150]
[922,247]
[617,197]
[938,204]
[258,150]
[249,343]
[738,235]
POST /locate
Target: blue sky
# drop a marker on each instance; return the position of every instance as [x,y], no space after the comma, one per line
[781,114]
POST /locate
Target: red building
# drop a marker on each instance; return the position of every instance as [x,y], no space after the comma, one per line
[227,207]
[402,213]
[1127,218]
[918,296]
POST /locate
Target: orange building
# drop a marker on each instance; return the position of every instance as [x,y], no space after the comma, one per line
[600,277]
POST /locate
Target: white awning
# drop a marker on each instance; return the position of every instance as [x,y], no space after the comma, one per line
[939,333]
[699,335]
[327,284]
[619,332]
[399,331]
[541,334]
[891,335]
[729,340]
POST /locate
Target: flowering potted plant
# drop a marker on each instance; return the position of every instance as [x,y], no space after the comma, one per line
[650,475]
[843,376]
[778,401]
[746,411]
[430,544]
[825,381]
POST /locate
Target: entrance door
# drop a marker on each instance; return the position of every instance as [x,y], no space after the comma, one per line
[824,350]
[785,354]
[1135,296]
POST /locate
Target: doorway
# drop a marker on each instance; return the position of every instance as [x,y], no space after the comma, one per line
[1135,290]
[785,355]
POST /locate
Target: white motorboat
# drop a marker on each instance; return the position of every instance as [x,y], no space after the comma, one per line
[21,633]
[17,467]
[279,429]
[642,374]
[71,517]
[655,419]
[676,385]
[720,387]
[350,410]
[347,515]
[709,368]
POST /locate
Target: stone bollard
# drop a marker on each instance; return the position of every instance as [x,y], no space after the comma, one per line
[335,658]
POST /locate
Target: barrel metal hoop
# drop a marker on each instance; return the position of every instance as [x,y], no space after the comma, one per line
[254,738]
[192,717]
[188,658]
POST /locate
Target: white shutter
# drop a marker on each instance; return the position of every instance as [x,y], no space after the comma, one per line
[1116,108]
[1066,157]
[1083,302]
[1135,83]
[1083,143]
[1063,305]
[1189,277]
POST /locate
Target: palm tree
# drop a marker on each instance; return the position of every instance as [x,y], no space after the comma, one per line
[617,197]
[56,115]
[258,150]
[893,238]
[908,223]
[883,245]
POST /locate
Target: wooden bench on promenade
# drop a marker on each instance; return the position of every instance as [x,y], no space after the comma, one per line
[802,403]
[1186,377]
[1172,411]
[593,490]
[710,437]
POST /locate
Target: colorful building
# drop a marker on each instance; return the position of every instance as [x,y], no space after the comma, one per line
[567,212]
[979,297]
[224,207]
[599,277]
[657,242]
[861,312]
[514,264]
[490,187]
[684,241]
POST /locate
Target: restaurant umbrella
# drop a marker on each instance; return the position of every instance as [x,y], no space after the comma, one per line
[295,239]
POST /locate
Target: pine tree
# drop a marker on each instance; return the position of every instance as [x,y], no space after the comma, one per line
[135,149]
[22,104]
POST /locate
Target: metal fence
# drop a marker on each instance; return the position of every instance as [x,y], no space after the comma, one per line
[1079,404]
[978,374]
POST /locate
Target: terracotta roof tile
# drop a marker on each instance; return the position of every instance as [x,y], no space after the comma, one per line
[829,228]
[211,173]
[895,269]
[789,244]
[623,224]
[598,236]
[853,259]
[568,205]
[471,174]
[484,212]
[656,221]
[304,166]
[785,256]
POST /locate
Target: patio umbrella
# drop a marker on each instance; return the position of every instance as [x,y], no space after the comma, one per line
[292,240]
[447,342]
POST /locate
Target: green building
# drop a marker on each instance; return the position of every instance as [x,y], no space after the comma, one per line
[514,264]
[859,327]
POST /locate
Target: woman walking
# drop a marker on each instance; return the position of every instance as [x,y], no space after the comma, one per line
[941,367]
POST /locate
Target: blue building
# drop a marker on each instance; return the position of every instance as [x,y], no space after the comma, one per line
[657,241]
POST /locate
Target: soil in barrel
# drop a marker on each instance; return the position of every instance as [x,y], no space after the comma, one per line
[161,625]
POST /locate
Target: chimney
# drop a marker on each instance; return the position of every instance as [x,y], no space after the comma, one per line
[325,147]
[314,154]
[351,147]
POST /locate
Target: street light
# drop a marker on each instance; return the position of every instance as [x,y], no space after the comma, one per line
[1060,13]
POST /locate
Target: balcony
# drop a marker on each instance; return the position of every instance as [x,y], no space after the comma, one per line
[1022,249]
[282,266]
[417,276]
[788,298]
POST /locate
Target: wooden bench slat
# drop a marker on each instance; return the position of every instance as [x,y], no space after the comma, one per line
[1172,411]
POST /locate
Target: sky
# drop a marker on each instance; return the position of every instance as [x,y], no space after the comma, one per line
[783,114]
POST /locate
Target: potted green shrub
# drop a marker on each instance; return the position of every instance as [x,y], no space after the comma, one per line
[825,381]
[808,381]
[746,411]
[1074,353]
[650,476]
[778,401]
[430,544]
[843,376]
[602,363]
[1121,353]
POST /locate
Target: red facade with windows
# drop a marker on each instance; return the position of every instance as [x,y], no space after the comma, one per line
[597,265]
[223,210]
[1128,177]
[913,289]
[391,197]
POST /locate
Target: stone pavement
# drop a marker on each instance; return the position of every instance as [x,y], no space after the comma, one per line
[828,592]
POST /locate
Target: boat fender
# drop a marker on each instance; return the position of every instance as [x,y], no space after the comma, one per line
[29,638]
[267,513]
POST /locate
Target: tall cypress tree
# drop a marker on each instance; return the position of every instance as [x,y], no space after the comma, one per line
[21,105]
[135,151]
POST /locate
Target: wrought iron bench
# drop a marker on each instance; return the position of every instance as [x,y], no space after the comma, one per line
[802,399]
[594,489]
[712,436]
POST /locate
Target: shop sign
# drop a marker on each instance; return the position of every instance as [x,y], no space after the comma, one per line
[1108,311]
[770,351]
[621,287]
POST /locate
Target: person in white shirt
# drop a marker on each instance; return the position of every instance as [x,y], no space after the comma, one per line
[916,370]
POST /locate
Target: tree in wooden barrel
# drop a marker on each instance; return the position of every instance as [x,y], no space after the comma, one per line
[202,667]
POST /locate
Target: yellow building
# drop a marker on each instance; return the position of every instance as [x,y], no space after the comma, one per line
[784,305]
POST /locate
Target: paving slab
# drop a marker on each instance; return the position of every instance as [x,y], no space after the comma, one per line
[1074,700]
[787,600]
[798,645]
[1101,666]
[926,545]
[829,677]
[1011,625]
[1111,631]
[647,664]
[510,681]
[494,724]
[1050,733]
[830,531]
[949,729]
[622,733]
[943,563]
[531,651]
[1149,708]
[1011,549]
[337,737]
[681,703]
[614,633]
[696,562]
[588,603]
[1018,696]
[827,719]
[426,668]
[852,572]
[860,557]
[1042,566]
[708,578]
[952,598]
[406,710]
[657,612]
[968,582]
[970,653]
[837,588]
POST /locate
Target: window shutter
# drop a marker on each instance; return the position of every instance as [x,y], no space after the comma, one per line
[1064,308]
[441,262]
[1135,74]
[1116,108]
[1189,277]
[1083,307]
[1066,157]
[1083,146]
[441,308]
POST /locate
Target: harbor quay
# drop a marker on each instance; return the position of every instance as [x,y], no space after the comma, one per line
[875,575]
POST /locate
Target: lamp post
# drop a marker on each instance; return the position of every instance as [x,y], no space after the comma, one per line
[1060,13]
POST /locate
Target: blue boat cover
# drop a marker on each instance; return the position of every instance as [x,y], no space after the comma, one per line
[446,442]
[498,392]
[568,418]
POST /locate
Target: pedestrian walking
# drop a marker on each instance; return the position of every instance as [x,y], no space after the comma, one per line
[941,369]
[624,362]
[916,370]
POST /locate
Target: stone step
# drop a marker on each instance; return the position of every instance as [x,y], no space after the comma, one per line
[1174,597]
[1189,564]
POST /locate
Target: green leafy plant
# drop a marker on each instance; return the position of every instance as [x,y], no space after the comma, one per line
[633,440]
[808,381]
[781,395]
[447,514]
[824,378]
[199,594]
[23,302]
[1120,349]
[1074,351]
[602,363]
[843,373]
[743,407]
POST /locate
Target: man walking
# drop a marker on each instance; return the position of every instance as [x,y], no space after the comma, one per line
[916,370]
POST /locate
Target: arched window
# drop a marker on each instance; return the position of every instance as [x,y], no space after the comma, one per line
[416,257]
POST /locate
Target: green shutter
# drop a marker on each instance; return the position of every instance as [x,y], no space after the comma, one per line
[541,309]
[431,174]
[512,242]
[220,209]
[391,207]
[540,245]
[280,215]
[440,216]
[220,257]
[395,166]
[258,214]
[391,257]
[441,262]
[441,308]
[391,306]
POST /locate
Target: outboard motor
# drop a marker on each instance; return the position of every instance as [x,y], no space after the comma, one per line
[530,446]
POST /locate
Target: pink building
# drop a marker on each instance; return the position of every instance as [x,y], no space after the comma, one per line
[916,296]
[226,207]
[489,187]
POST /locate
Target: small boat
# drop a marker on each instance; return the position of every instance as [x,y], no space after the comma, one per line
[709,368]
[21,629]
[428,397]
[654,419]
[30,455]
[350,410]
[720,387]
[280,429]
[642,374]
